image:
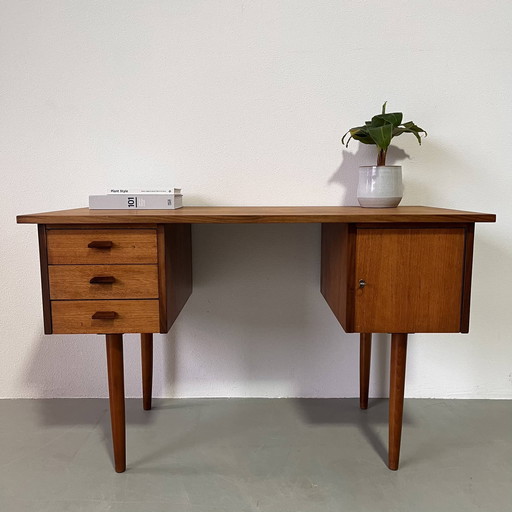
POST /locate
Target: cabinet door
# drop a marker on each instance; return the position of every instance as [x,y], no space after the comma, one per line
[414,279]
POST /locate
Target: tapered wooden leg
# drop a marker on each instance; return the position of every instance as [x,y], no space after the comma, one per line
[365,353]
[396,396]
[146,348]
[116,393]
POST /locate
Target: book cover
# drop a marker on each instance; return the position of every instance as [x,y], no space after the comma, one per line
[136,202]
[144,191]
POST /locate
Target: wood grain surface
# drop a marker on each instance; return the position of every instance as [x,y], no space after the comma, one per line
[130,282]
[256,214]
[365,356]
[132,316]
[468,271]
[175,271]
[45,281]
[414,279]
[396,397]
[115,372]
[71,246]
[146,356]
[337,271]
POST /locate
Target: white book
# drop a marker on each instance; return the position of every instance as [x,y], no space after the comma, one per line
[144,191]
[136,202]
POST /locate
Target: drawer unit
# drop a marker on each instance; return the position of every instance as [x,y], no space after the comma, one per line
[104,316]
[103,281]
[114,280]
[92,246]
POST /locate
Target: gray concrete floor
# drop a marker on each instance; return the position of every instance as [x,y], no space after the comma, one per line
[238,455]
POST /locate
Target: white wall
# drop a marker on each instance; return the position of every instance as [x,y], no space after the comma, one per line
[244,103]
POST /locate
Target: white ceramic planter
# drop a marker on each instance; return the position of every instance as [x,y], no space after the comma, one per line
[380,186]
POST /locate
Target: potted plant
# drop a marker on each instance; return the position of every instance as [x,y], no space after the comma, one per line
[380,186]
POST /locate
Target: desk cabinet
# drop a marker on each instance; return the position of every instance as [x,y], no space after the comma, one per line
[398,279]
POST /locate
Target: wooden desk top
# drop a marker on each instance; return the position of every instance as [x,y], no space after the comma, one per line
[256,215]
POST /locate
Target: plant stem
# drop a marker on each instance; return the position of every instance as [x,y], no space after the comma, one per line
[381,157]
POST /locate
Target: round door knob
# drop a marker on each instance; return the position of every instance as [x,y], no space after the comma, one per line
[362,283]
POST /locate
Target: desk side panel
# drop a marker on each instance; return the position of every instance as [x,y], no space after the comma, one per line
[338,249]
[175,271]
[466,284]
[45,280]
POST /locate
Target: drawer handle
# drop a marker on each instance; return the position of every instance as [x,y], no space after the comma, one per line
[100,244]
[104,315]
[103,280]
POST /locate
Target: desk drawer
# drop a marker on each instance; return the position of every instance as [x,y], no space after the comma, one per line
[76,317]
[91,246]
[103,281]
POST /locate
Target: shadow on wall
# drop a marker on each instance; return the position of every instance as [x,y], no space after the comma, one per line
[256,313]
[491,322]
[258,316]
[347,173]
[68,365]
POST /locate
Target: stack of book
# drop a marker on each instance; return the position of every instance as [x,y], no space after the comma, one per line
[138,199]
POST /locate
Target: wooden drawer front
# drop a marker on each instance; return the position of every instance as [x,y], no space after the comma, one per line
[75,317]
[414,280]
[129,281]
[71,246]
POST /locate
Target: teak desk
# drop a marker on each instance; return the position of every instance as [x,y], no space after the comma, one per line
[398,270]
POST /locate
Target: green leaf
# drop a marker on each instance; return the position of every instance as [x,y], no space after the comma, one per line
[381,135]
[359,133]
[381,129]
[364,137]
[395,119]
[409,127]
